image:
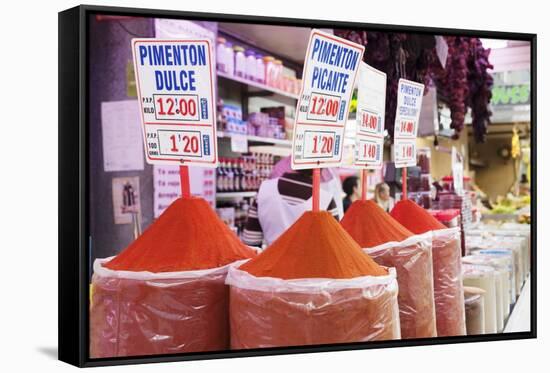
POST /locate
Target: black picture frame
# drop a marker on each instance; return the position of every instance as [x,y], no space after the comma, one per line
[73,191]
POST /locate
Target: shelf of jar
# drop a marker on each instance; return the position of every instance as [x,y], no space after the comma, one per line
[258,139]
[257,85]
[235,195]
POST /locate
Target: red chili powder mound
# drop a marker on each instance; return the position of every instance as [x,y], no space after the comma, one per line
[370,225]
[315,246]
[414,217]
[187,236]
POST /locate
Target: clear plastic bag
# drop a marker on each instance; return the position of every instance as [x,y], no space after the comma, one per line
[448,288]
[412,260]
[481,243]
[484,277]
[508,256]
[501,264]
[144,313]
[270,312]
[475,312]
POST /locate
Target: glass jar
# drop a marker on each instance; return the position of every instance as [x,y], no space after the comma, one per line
[250,66]
[240,61]
[278,74]
[260,69]
[269,63]
[221,55]
[423,159]
[230,58]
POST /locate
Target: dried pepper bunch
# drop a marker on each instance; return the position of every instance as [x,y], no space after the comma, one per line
[463,82]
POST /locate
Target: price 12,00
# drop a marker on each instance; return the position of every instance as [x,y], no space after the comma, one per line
[323,107]
[176,107]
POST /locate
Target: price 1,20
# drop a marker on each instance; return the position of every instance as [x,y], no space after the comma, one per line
[182,143]
[319,144]
[176,107]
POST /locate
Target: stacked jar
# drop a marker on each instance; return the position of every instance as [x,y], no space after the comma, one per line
[250,65]
[221,55]
[240,61]
[269,63]
[260,69]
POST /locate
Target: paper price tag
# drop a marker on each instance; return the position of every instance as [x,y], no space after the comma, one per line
[404,153]
[330,68]
[371,110]
[239,143]
[409,103]
[457,171]
[174,79]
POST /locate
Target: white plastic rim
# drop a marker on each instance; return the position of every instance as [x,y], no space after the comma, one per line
[476,270]
[500,262]
[446,232]
[100,270]
[412,240]
[244,280]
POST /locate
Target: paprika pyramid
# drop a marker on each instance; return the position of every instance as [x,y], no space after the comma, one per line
[315,246]
[187,236]
[415,218]
[392,245]
[313,285]
[371,226]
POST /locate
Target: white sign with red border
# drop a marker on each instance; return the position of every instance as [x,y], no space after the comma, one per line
[371,110]
[330,68]
[409,102]
[175,84]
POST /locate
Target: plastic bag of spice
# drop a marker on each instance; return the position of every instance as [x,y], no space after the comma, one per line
[448,288]
[145,313]
[412,259]
[272,312]
[446,252]
[165,293]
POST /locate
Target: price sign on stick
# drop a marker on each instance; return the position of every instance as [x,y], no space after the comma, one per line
[409,102]
[175,85]
[330,68]
[371,110]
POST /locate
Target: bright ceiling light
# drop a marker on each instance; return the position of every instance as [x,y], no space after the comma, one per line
[494,43]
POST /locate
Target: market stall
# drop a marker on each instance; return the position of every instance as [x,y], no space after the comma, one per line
[360,180]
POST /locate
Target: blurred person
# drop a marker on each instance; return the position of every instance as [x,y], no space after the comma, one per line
[352,189]
[382,197]
[283,198]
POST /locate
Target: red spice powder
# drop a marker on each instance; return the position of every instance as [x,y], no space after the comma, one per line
[370,225]
[187,236]
[414,217]
[315,246]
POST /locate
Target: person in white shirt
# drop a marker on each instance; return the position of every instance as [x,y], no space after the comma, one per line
[382,197]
